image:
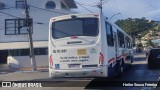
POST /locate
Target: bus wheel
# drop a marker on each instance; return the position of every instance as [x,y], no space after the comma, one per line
[121,69]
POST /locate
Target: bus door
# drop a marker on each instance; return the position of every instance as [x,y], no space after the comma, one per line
[116,52]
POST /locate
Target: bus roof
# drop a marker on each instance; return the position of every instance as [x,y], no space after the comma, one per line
[87,15]
[72,16]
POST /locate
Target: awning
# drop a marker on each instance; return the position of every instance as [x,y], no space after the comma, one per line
[22,45]
[70,3]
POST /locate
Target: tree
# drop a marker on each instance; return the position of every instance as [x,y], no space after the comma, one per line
[150,43]
[136,26]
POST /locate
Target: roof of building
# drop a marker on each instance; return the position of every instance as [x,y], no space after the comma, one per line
[70,3]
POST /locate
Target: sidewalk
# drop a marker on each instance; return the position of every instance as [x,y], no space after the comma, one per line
[5,68]
[41,69]
[11,74]
[24,76]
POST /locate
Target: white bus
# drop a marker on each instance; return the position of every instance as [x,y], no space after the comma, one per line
[87,45]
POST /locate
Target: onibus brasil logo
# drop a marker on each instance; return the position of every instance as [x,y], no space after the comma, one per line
[21,84]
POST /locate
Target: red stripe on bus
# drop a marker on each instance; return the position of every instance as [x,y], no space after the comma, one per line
[111,60]
[126,54]
[119,56]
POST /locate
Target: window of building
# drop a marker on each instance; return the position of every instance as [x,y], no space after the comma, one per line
[14,52]
[50,5]
[109,34]
[19,52]
[17,26]
[26,52]
[121,39]
[2,6]
[41,51]
[20,4]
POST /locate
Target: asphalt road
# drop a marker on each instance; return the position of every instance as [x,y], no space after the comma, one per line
[137,73]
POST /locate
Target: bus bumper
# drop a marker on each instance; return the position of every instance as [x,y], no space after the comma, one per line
[92,72]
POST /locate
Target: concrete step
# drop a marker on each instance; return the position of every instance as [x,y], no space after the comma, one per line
[4,67]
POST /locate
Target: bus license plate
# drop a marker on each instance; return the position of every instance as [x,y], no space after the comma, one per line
[81,52]
[74,65]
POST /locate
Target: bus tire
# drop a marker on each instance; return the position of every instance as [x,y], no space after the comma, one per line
[121,69]
[131,59]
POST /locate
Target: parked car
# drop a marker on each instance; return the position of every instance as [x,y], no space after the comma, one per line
[147,49]
[153,58]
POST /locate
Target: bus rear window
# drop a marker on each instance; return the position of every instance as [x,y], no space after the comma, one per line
[75,27]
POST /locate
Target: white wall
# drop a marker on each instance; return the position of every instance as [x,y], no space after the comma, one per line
[25,62]
[40,31]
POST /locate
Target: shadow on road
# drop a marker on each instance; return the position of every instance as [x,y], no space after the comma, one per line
[138,72]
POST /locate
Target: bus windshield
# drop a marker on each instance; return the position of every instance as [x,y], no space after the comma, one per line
[75,27]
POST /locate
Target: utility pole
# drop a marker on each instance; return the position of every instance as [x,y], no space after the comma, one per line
[28,24]
[100,6]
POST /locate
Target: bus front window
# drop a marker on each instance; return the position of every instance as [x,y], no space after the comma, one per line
[75,27]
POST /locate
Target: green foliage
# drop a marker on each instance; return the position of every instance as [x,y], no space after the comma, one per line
[140,45]
[158,27]
[136,26]
[149,43]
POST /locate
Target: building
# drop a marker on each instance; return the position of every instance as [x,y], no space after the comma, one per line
[14,41]
[153,35]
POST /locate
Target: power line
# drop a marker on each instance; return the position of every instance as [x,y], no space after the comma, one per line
[114,8]
[33,7]
[46,10]
[9,14]
[84,7]
[86,4]
[9,8]
[110,7]
[36,22]
[39,9]
[116,5]
[104,2]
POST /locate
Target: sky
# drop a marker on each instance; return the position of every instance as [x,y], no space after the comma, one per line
[150,9]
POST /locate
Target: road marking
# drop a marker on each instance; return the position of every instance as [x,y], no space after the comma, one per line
[139,62]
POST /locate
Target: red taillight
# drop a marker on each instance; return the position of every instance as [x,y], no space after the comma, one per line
[50,61]
[73,37]
[101,58]
[96,15]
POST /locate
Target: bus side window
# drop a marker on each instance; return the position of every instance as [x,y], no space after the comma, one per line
[109,34]
[130,43]
[121,39]
[127,42]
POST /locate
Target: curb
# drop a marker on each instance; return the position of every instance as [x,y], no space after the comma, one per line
[43,69]
[23,70]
